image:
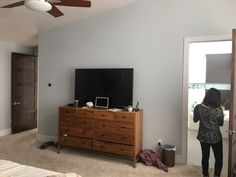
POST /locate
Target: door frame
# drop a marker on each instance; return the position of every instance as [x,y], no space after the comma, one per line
[187,42]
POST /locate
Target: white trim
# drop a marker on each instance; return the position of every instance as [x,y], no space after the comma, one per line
[187,41]
[208,38]
[5,132]
[179,159]
[46,138]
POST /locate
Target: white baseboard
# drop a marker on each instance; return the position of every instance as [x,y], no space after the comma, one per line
[179,159]
[46,138]
[5,132]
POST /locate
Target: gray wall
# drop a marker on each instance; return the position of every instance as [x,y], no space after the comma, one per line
[5,87]
[218,68]
[147,36]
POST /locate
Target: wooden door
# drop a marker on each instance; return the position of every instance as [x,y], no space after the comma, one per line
[24,92]
[232,120]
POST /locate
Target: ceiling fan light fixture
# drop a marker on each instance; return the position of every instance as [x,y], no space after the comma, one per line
[38,5]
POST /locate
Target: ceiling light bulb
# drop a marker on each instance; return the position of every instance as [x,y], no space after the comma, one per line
[38,5]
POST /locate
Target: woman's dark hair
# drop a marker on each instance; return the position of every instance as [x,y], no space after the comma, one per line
[212,98]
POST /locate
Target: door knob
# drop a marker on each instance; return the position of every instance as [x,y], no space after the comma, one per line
[15,103]
[231,132]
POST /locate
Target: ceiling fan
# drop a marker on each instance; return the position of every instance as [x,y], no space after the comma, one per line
[49,5]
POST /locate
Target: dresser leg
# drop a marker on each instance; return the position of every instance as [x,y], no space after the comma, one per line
[134,162]
[58,148]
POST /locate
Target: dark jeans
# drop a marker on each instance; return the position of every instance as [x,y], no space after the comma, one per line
[218,153]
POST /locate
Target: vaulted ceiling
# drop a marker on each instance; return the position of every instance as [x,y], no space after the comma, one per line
[21,25]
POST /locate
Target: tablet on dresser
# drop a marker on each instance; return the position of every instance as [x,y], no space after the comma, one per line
[102,102]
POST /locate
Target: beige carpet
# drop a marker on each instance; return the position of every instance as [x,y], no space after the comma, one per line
[23,148]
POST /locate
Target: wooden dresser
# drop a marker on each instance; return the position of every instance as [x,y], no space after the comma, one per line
[101,130]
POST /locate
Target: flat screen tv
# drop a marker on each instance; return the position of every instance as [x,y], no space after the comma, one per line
[114,83]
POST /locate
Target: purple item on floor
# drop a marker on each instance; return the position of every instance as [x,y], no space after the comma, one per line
[150,157]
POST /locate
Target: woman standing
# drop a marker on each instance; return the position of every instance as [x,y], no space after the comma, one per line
[210,116]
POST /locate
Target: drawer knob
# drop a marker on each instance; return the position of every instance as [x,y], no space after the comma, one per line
[65,135]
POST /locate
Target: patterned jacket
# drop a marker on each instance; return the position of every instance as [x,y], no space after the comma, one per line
[210,120]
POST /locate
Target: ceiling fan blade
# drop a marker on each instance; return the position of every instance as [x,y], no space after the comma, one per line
[74,3]
[55,11]
[20,3]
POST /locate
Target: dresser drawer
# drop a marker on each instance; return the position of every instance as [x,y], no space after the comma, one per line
[114,148]
[114,126]
[84,113]
[84,123]
[124,116]
[63,131]
[66,116]
[80,132]
[66,111]
[116,137]
[76,132]
[66,121]
[75,142]
[103,115]
[76,122]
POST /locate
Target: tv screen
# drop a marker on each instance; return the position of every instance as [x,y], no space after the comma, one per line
[114,83]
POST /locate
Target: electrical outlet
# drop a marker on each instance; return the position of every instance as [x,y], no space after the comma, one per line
[159,141]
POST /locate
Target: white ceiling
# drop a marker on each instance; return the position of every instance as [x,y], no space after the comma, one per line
[20,25]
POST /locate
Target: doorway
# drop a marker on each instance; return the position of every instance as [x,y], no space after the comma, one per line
[207,64]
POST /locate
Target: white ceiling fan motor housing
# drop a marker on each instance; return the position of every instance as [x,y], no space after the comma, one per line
[38,5]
